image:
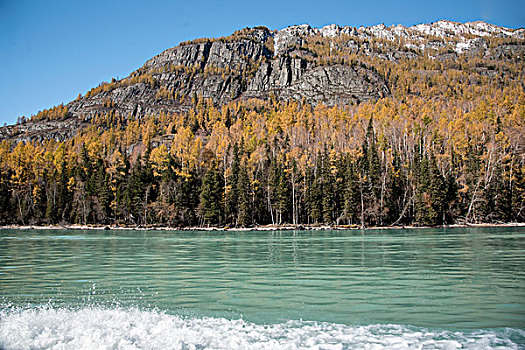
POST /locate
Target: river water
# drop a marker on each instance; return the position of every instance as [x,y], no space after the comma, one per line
[406,289]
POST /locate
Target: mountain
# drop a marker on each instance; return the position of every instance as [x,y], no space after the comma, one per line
[369,126]
[331,65]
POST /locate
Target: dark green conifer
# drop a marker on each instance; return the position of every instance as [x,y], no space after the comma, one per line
[243,189]
[212,198]
[232,199]
[352,205]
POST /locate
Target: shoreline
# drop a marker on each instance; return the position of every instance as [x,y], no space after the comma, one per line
[249,229]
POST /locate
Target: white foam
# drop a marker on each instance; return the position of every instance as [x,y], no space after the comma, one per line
[118,328]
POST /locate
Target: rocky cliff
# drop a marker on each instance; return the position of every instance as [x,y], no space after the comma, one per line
[241,66]
[299,62]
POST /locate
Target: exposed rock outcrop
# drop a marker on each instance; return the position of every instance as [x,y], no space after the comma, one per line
[224,70]
[332,85]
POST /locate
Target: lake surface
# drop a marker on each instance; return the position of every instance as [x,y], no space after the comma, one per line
[418,288]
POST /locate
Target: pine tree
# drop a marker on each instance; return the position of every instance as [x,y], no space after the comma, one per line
[232,198]
[261,214]
[453,203]
[274,181]
[104,196]
[497,198]
[315,195]
[371,177]
[243,189]
[518,193]
[134,194]
[327,190]
[212,198]
[425,214]
[186,199]
[5,197]
[64,198]
[438,192]
[431,193]
[352,194]
[283,195]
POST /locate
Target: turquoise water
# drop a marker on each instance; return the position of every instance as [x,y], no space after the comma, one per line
[430,288]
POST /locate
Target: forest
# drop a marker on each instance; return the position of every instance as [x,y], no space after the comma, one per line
[445,147]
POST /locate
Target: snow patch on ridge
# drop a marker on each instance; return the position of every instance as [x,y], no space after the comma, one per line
[459,35]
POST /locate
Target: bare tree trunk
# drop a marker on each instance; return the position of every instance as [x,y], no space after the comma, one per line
[294,211]
[146,206]
[84,209]
[270,206]
[362,205]
[20,209]
[473,199]
[404,208]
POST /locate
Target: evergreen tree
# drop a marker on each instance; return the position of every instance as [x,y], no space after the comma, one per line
[5,197]
[187,199]
[328,191]
[518,193]
[438,192]
[497,197]
[212,198]
[134,194]
[283,195]
[473,181]
[104,197]
[244,208]
[352,205]
[274,181]
[315,195]
[453,202]
[425,214]
[431,193]
[232,198]
[64,197]
[370,166]
[261,214]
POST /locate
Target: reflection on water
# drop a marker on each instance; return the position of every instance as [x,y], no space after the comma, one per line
[446,278]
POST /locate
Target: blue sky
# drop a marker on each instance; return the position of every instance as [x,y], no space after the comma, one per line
[50,51]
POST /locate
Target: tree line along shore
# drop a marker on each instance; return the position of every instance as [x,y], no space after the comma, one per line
[278,163]
[266,228]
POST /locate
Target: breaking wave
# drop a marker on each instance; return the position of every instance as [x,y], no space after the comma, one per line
[134,328]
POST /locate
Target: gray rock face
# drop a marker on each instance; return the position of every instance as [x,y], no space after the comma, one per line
[217,53]
[215,70]
[59,130]
[225,70]
[332,85]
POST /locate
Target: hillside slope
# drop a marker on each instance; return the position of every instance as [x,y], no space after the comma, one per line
[361,126]
[331,65]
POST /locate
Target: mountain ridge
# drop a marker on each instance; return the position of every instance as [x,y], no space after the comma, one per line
[259,63]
